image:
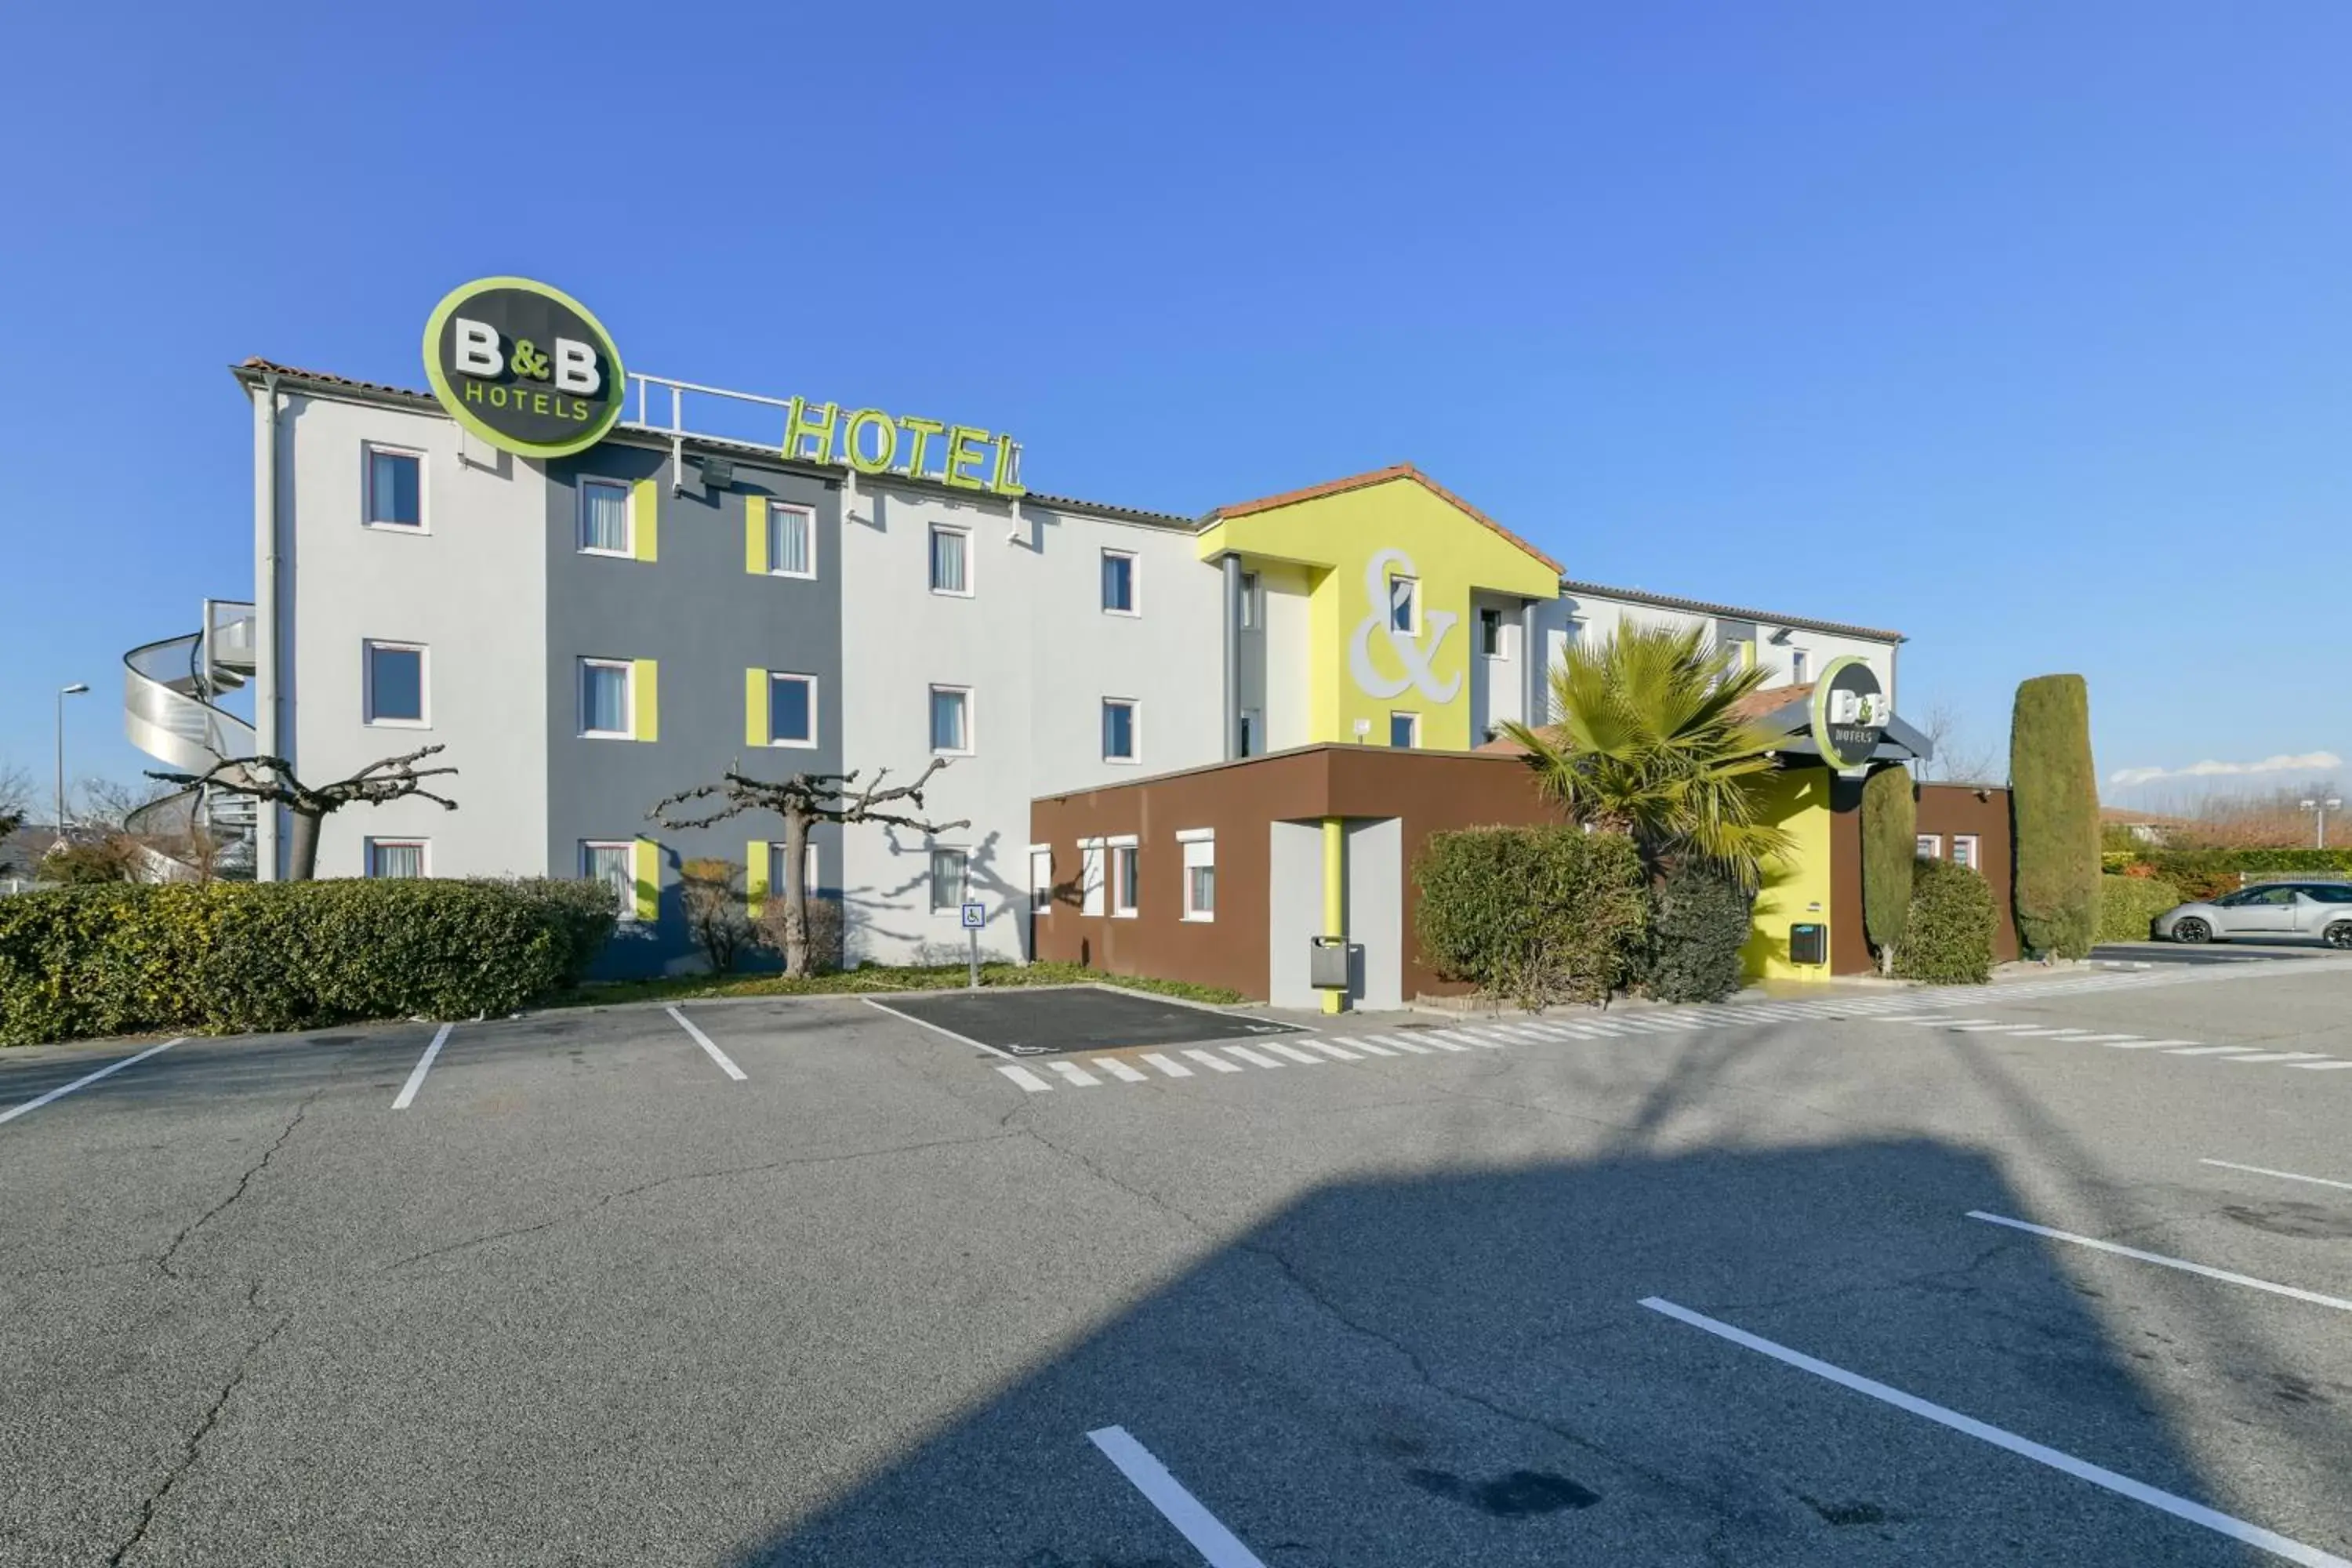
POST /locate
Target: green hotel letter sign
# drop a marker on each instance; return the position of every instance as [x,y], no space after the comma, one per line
[1849,711]
[524,367]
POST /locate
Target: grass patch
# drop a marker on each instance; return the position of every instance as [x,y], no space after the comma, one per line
[876,979]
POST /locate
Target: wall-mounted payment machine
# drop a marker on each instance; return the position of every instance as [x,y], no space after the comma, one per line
[1808,943]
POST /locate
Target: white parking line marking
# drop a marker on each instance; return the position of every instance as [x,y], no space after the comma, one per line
[2147,1045]
[1407,1043]
[2025,1447]
[729,1068]
[1172,1068]
[1293,1052]
[1445,1041]
[1213,1063]
[950,1033]
[1027,1079]
[1991,1028]
[2283,1175]
[1334,1049]
[2276,1057]
[1218,1546]
[1940,1023]
[417,1075]
[1251,1056]
[2107,1039]
[1076,1074]
[2210,1051]
[88,1078]
[2320,1067]
[1374,1047]
[1120,1070]
[2296,1291]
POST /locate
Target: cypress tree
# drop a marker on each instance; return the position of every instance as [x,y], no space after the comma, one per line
[2055,812]
[1890,842]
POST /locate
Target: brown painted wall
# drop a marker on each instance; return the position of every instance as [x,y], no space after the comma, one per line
[1983,810]
[1430,792]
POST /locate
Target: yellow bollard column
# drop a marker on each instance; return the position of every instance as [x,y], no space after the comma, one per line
[1335,894]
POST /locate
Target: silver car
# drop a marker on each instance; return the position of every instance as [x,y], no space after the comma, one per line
[2272,910]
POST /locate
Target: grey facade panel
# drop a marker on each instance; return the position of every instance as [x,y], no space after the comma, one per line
[706,620]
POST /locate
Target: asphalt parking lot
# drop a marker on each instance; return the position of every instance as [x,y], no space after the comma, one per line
[2055,1272]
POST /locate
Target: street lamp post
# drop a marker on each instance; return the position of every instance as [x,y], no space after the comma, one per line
[76,689]
[2320,808]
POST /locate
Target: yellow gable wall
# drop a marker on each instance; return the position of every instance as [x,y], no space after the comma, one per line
[1356,671]
[1796,886]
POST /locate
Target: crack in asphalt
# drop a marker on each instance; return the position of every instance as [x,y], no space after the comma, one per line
[187,1232]
[192,1445]
[719,1174]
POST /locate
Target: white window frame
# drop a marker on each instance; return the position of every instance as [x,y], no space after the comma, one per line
[1502,648]
[1192,840]
[811,682]
[1041,894]
[370,844]
[1134,582]
[628,668]
[1124,905]
[954,908]
[930,556]
[368,450]
[1413,722]
[628,848]
[628,551]
[1930,847]
[1412,627]
[970,726]
[1093,874]
[424,720]
[1252,602]
[1799,665]
[776,847]
[1134,706]
[1971,860]
[808,514]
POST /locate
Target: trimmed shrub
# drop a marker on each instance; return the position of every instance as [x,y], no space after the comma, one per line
[2055,803]
[227,957]
[712,891]
[1699,920]
[1890,842]
[2126,905]
[825,930]
[1538,915]
[1948,938]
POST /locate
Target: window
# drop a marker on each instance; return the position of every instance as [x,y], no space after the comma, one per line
[395,684]
[951,719]
[1404,729]
[1041,881]
[1090,876]
[792,709]
[951,560]
[604,517]
[1200,845]
[1404,605]
[776,864]
[1931,846]
[2329,893]
[395,858]
[1798,664]
[1253,731]
[395,487]
[792,540]
[1118,730]
[1252,602]
[949,871]
[1125,862]
[614,866]
[1964,850]
[2258,896]
[604,707]
[1490,633]
[1118,583]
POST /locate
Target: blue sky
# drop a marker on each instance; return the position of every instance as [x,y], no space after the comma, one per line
[2020,329]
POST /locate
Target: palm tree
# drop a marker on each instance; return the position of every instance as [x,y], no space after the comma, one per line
[1653,740]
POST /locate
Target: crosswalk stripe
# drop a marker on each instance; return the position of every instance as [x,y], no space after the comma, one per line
[1213,1062]
[2029,1032]
[1172,1069]
[2321,1067]
[1560,1031]
[1406,1043]
[2210,1051]
[1251,1056]
[1120,1070]
[1377,1049]
[2147,1045]
[2105,1039]
[1027,1079]
[1445,1041]
[2277,1057]
[1333,1049]
[1293,1052]
[1076,1074]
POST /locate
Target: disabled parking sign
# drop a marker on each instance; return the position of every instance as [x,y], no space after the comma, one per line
[974,916]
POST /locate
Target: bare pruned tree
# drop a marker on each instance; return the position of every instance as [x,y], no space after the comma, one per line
[15,798]
[802,800]
[271,782]
[1956,756]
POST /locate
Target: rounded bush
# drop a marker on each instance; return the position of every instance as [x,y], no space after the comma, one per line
[2128,904]
[1538,915]
[1948,938]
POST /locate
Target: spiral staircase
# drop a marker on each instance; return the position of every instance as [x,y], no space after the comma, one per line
[171,710]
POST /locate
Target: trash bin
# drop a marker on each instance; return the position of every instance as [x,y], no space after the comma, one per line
[1326,963]
[1808,943]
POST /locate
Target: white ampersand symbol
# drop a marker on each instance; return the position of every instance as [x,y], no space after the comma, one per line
[1407,650]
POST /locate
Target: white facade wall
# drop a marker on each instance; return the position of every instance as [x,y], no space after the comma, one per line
[1594,617]
[470,586]
[1038,654]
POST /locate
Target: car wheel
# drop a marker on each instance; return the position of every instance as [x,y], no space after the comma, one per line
[2341,935]
[2191,930]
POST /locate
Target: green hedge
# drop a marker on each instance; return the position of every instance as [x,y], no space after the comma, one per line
[2209,873]
[1535,914]
[2126,905]
[231,957]
[1948,938]
[1699,920]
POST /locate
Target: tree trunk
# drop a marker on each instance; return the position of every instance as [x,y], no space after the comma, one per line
[303,855]
[795,894]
